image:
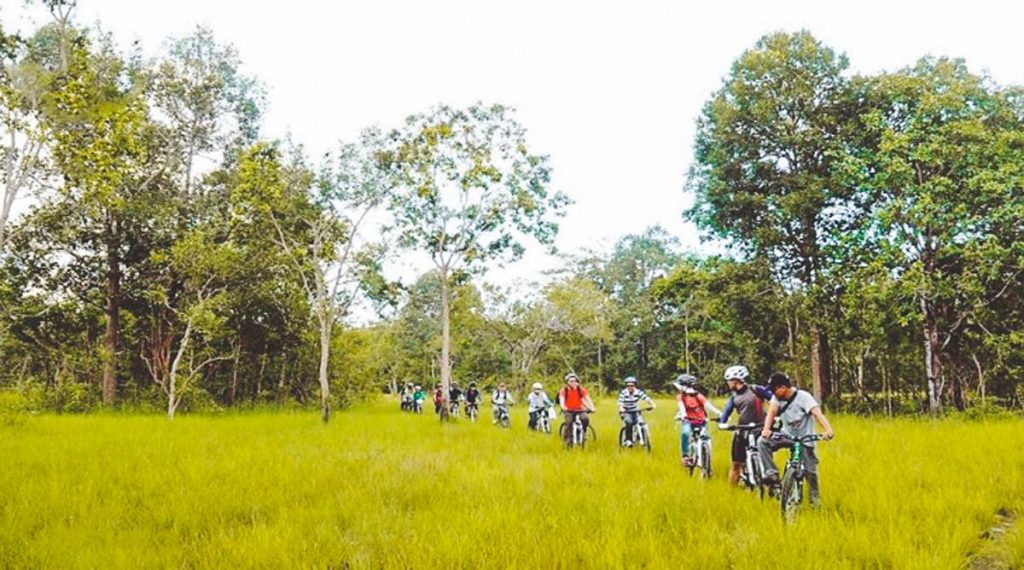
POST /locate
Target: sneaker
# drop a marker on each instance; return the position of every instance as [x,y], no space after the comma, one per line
[688,461]
[770,479]
[629,444]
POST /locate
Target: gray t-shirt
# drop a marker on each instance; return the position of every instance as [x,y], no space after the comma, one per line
[797,420]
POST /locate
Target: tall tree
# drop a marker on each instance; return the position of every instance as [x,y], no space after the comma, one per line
[764,173]
[468,190]
[947,176]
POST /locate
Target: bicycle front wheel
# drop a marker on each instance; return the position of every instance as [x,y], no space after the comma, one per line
[791,495]
[705,460]
[646,435]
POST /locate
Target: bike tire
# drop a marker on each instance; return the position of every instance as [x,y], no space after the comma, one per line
[705,460]
[790,496]
[505,421]
[646,434]
[590,434]
[622,437]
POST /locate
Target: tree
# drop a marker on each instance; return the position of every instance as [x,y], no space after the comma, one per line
[468,189]
[947,177]
[765,168]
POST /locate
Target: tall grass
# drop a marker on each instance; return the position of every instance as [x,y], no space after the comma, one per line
[377,488]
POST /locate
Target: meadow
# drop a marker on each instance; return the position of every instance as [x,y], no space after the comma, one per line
[380,488]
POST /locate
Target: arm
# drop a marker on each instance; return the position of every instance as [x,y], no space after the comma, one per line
[622,401]
[650,401]
[711,407]
[561,401]
[762,392]
[588,404]
[773,410]
[730,405]
[823,422]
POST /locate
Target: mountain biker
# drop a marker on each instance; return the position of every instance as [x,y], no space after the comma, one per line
[501,398]
[629,406]
[794,408]
[748,401]
[472,397]
[575,402]
[538,403]
[692,411]
[406,397]
[418,395]
[454,395]
[438,398]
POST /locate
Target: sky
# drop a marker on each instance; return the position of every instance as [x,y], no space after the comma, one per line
[610,90]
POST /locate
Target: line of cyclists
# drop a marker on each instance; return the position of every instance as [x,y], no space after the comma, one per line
[770,417]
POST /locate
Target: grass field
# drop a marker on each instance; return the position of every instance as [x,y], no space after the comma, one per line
[378,488]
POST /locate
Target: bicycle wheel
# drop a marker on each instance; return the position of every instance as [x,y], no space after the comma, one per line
[791,495]
[756,476]
[591,434]
[505,421]
[645,434]
[705,460]
[622,437]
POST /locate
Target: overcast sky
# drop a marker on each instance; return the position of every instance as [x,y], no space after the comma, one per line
[610,90]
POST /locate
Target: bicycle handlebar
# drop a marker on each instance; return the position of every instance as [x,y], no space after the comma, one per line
[738,427]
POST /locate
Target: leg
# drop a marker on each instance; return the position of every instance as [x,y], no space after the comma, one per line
[685,438]
[739,457]
[630,420]
[810,459]
[532,424]
[765,449]
[569,418]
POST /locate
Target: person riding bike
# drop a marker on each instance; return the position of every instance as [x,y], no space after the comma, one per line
[454,395]
[472,396]
[575,402]
[418,396]
[538,403]
[501,398]
[794,408]
[692,411]
[405,397]
[629,406]
[438,398]
[748,401]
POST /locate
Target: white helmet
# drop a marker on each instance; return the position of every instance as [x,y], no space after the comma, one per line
[537,386]
[738,372]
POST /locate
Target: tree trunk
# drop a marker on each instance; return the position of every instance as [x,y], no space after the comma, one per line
[446,364]
[886,386]
[113,329]
[981,378]
[821,358]
[325,351]
[932,364]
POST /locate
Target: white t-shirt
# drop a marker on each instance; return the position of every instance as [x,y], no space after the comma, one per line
[797,420]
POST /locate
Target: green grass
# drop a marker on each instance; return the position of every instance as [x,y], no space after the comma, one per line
[377,488]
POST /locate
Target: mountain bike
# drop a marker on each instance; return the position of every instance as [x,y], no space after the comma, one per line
[753,471]
[454,409]
[579,435]
[472,411]
[641,433]
[417,406]
[503,418]
[543,421]
[791,493]
[700,451]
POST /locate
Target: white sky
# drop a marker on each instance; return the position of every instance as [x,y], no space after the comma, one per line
[610,90]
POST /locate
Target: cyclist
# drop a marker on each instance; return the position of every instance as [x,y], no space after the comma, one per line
[418,395]
[438,398]
[629,406]
[794,408]
[472,397]
[454,395]
[692,411]
[501,398]
[406,397]
[574,401]
[748,402]
[538,403]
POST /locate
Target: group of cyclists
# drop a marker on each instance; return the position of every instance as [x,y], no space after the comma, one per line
[770,417]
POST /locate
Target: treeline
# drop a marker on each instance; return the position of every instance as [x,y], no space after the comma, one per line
[169,256]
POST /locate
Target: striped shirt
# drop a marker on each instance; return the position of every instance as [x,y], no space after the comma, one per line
[630,401]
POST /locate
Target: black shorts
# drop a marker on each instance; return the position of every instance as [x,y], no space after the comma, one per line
[739,446]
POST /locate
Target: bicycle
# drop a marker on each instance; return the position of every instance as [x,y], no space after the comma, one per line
[417,406]
[700,451]
[472,411]
[641,433]
[503,418]
[543,424]
[579,435]
[753,472]
[454,412]
[791,490]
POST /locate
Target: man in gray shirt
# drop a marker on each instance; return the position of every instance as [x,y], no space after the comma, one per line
[795,408]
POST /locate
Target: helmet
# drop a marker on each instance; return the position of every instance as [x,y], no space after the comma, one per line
[501,385]
[417,386]
[472,384]
[570,376]
[684,381]
[630,380]
[537,386]
[738,372]
[454,383]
